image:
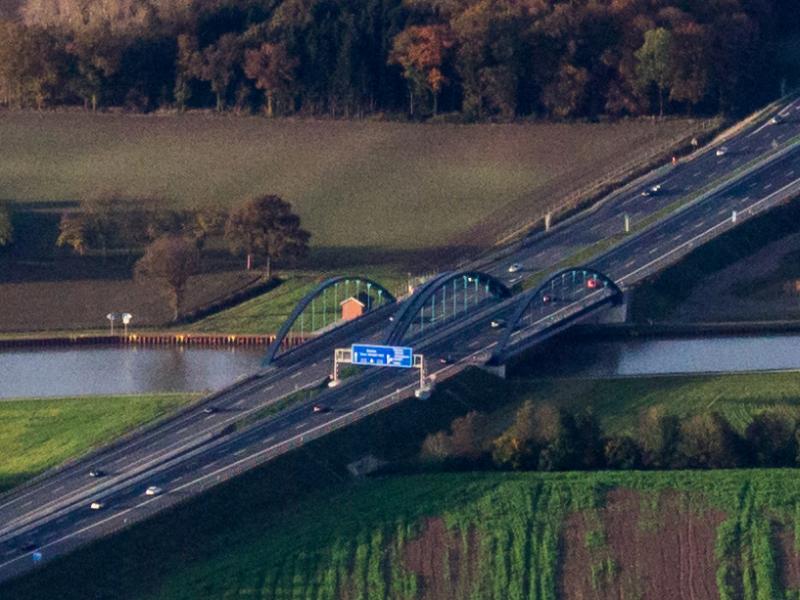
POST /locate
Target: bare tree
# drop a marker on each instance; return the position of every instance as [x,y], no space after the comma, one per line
[266,226]
[170,260]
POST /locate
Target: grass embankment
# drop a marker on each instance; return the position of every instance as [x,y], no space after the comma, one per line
[661,295]
[297,528]
[36,434]
[267,312]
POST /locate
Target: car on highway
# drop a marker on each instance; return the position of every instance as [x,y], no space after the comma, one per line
[446,360]
[653,190]
[97,505]
[592,283]
[777,119]
[210,410]
[514,267]
[97,473]
[722,151]
[320,408]
[153,490]
[547,299]
[498,323]
[28,546]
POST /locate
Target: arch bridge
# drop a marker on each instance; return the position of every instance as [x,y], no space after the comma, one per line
[564,298]
[442,299]
[320,311]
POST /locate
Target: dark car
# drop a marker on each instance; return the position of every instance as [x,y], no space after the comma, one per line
[209,410]
[320,408]
[446,360]
[498,323]
[97,473]
[28,546]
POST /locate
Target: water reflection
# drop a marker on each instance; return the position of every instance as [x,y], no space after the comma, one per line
[127,370]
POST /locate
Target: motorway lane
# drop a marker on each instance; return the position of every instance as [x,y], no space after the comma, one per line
[545,252]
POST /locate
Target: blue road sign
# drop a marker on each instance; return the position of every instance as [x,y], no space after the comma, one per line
[383,356]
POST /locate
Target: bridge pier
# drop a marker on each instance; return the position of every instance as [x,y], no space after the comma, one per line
[496,370]
[615,314]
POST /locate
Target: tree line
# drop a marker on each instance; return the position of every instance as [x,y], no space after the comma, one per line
[172,240]
[547,438]
[479,59]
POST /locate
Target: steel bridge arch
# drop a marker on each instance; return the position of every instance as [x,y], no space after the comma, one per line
[528,298]
[283,332]
[411,308]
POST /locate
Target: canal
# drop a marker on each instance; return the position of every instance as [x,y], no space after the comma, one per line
[130,370]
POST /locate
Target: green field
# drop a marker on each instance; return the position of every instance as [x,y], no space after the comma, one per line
[299,528]
[36,434]
[362,185]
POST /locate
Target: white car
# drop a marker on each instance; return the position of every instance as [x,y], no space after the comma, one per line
[722,151]
[652,190]
[776,120]
[96,505]
[153,490]
[513,268]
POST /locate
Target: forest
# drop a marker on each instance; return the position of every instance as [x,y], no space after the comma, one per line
[460,59]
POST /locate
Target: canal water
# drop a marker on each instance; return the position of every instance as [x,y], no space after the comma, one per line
[579,358]
[130,370]
[86,370]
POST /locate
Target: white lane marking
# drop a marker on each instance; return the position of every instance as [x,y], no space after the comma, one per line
[653,251]
[766,187]
[699,225]
[790,173]
[630,263]
[474,344]
[28,503]
[388,385]
[240,452]
[270,438]
[58,489]
[209,465]
[268,388]
[295,375]
[677,237]
[9,552]
[178,478]
[697,174]
[724,211]
[300,426]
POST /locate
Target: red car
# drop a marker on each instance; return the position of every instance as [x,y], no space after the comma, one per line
[592,283]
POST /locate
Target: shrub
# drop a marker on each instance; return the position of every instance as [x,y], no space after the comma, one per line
[771,441]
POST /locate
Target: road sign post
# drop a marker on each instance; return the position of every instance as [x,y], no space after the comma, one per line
[374,355]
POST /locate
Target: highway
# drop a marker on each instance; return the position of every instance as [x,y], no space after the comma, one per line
[195,450]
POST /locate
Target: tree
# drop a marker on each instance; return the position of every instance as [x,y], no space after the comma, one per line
[187,65]
[217,64]
[170,260]
[6,227]
[422,52]
[658,436]
[98,56]
[266,226]
[272,68]
[654,62]
[707,441]
[621,453]
[770,441]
